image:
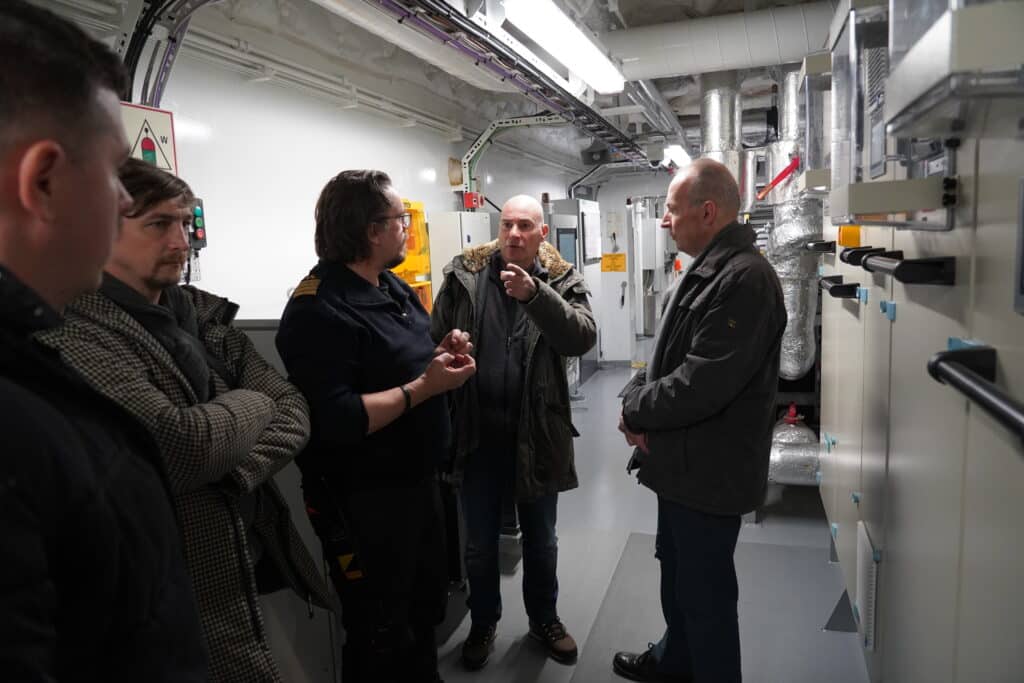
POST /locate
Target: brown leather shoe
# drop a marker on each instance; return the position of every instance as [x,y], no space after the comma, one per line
[561,647]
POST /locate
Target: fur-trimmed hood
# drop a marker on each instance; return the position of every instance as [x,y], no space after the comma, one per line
[476,259]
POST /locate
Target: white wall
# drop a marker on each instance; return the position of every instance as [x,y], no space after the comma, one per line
[259,155]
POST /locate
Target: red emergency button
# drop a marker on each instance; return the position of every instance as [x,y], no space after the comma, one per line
[200,234]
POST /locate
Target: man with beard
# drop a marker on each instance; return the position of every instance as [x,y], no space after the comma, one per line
[225,421]
[356,340]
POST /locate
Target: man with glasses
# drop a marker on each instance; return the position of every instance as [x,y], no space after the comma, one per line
[356,341]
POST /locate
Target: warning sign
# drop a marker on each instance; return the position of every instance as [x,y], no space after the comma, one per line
[151,135]
[613,263]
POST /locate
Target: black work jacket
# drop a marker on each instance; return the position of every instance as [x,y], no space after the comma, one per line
[707,401]
[341,337]
[93,584]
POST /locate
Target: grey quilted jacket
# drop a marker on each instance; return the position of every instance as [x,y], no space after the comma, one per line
[215,452]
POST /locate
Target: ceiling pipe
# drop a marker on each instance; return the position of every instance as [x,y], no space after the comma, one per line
[744,40]
[721,120]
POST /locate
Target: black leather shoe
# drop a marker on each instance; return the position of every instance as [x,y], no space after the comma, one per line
[477,648]
[642,667]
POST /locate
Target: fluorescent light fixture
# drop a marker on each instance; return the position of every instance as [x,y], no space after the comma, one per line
[677,155]
[545,24]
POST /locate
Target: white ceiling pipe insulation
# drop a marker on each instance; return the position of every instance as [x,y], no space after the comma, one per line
[745,40]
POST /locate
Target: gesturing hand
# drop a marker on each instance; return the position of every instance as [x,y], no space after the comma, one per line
[518,283]
[456,343]
[446,372]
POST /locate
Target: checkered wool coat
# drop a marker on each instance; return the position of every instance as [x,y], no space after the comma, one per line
[214,451]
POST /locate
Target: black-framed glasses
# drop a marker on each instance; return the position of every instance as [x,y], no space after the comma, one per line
[405,218]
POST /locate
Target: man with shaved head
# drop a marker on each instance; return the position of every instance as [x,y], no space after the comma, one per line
[701,418]
[526,310]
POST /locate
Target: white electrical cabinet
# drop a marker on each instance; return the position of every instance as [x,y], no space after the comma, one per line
[452,232]
[990,602]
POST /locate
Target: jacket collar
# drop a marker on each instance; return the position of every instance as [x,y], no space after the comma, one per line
[730,240]
[22,310]
[97,309]
[476,259]
[357,291]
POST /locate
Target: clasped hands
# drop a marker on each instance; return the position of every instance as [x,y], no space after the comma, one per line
[632,438]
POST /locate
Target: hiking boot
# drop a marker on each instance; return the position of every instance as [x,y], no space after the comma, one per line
[477,648]
[561,647]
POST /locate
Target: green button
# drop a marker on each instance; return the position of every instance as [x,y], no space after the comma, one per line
[199,211]
[199,222]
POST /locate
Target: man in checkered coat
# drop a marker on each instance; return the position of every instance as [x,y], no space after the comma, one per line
[225,421]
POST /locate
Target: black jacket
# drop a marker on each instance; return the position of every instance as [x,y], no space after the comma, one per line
[93,584]
[341,337]
[707,401]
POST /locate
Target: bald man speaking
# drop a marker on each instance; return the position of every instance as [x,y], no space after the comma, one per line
[526,309]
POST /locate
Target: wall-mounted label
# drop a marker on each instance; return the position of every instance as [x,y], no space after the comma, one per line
[613,263]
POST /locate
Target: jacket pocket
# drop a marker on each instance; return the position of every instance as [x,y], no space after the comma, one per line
[668,456]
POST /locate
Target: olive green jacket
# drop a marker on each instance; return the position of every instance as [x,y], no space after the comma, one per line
[559,325]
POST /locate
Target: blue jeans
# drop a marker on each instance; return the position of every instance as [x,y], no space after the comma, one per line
[698,594]
[488,481]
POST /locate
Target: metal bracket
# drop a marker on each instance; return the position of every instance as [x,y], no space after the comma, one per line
[472,156]
[129,20]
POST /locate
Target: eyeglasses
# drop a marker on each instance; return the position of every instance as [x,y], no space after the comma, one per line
[405,218]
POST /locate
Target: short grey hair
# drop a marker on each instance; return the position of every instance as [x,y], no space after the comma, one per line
[712,181]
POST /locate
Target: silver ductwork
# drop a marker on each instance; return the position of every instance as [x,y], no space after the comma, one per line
[748,178]
[794,464]
[798,220]
[721,119]
[742,40]
[795,452]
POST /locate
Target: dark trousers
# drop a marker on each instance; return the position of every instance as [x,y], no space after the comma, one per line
[699,594]
[488,481]
[393,591]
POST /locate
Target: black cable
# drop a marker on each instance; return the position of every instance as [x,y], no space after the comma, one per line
[143,30]
[496,207]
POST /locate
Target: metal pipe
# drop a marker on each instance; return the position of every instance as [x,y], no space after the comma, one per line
[951,367]
[768,37]
[720,111]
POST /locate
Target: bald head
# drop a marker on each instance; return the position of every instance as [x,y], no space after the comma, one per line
[711,181]
[522,230]
[524,203]
[700,203]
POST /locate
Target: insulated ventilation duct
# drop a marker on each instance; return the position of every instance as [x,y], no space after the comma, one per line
[797,220]
[721,120]
[743,40]
[795,453]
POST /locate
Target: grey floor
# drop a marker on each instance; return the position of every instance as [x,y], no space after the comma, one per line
[609,577]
